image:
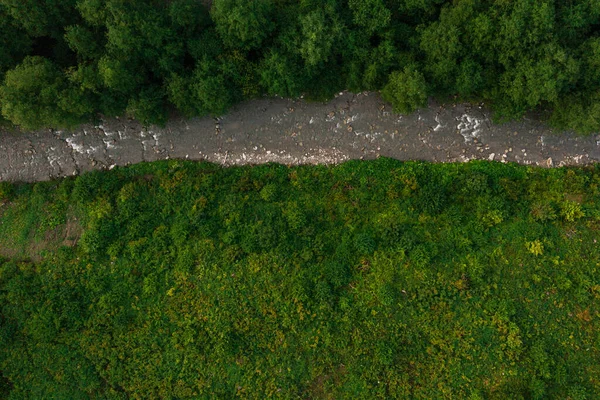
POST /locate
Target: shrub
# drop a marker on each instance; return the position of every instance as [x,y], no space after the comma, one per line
[570,210]
[197,283]
[269,192]
[6,191]
[536,247]
[542,211]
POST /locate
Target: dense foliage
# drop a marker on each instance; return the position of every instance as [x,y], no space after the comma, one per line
[366,280]
[63,62]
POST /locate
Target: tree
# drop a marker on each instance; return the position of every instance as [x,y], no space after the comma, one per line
[406,90]
[320,30]
[590,57]
[540,79]
[42,17]
[380,61]
[94,12]
[370,14]
[181,95]
[36,94]
[243,24]
[209,89]
[213,90]
[14,42]
[280,75]
[120,76]
[442,41]
[87,42]
[578,112]
[149,106]
[515,55]
[190,15]
[470,79]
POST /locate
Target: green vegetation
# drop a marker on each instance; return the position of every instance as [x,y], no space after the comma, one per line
[64,62]
[382,279]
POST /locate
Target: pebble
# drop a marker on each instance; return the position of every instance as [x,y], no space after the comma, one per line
[491,157]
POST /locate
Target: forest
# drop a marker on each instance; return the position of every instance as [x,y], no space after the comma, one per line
[378,279]
[70,61]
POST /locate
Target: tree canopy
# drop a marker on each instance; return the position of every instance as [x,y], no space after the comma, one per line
[37,94]
[130,57]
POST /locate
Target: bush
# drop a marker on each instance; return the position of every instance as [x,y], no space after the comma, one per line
[269,281]
[6,191]
[571,210]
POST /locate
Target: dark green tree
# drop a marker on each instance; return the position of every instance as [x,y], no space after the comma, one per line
[243,24]
[372,15]
[42,17]
[406,90]
[37,94]
[181,94]
[320,30]
[87,42]
[15,44]
[149,106]
[213,88]
[281,74]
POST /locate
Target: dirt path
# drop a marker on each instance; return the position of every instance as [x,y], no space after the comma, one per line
[352,126]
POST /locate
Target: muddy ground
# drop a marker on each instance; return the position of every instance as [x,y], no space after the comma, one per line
[352,126]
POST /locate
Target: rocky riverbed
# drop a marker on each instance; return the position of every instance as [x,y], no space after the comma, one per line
[351,126]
